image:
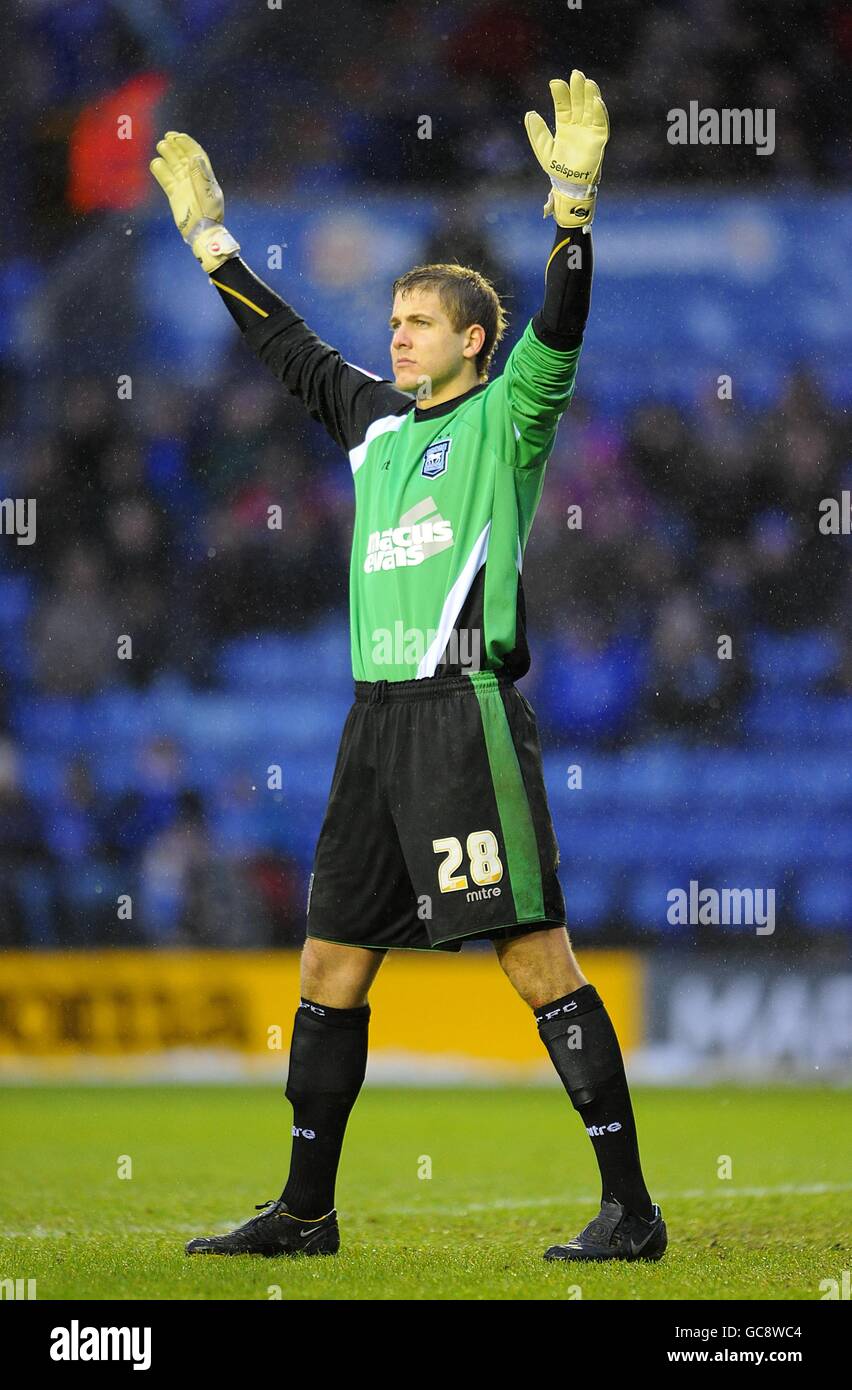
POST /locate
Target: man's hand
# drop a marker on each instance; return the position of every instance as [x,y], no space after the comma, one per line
[185,175]
[572,160]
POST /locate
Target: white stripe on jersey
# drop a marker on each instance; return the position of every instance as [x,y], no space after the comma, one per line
[453,605]
[388,424]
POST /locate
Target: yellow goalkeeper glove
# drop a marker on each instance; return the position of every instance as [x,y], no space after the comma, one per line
[186,176]
[573,158]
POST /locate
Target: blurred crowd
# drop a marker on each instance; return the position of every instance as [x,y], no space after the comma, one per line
[659,534]
[79,869]
[694,528]
[659,528]
[299,103]
[157,526]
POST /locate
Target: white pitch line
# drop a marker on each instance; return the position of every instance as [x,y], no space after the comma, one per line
[693,1194]
[817,1189]
[45,1233]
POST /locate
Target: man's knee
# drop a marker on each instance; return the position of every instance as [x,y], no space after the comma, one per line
[540,964]
[339,976]
[534,942]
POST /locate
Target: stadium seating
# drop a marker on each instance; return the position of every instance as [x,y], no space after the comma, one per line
[773,809]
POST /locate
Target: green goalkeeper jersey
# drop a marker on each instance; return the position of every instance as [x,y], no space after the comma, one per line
[444,500]
[444,503]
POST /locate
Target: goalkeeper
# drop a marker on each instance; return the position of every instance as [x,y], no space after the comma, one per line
[437,829]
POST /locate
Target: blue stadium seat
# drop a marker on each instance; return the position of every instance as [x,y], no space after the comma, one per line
[833,719]
[796,659]
[53,722]
[588,898]
[662,775]
[825,900]
[16,599]
[35,888]
[819,776]
[42,774]
[237,826]
[830,840]
[598,787]
[282,662]
[647,898]
[119,716]
[791,717]
[16,665]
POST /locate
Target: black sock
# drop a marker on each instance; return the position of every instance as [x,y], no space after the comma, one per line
[584,1049]
[328,1061]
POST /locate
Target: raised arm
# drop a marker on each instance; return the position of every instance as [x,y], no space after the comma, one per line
[537,383]
[572,160]
[342,397]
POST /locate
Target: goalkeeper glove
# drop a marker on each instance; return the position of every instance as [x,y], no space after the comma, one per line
[573,158]
[185,175]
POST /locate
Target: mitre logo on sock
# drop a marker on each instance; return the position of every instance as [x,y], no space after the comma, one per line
[305,1133]
[596,1130]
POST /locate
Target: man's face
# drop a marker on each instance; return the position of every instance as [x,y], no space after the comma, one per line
[426,351]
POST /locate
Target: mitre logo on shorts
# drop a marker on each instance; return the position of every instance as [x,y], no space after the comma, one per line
[421,533]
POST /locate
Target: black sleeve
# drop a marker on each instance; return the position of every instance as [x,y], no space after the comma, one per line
[561,320]
[344,398]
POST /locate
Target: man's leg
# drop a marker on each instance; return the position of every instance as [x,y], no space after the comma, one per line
[328,1061]
[578,1034]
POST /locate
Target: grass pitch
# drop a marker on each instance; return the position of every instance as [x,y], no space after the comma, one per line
[512,1172]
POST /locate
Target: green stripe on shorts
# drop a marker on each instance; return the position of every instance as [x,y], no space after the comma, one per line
[512,804]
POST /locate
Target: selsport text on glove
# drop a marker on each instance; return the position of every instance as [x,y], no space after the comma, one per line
[572,158]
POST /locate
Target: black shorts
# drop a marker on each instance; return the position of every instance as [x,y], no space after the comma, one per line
[437,827]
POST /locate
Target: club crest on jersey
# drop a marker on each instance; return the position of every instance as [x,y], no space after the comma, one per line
[435,459]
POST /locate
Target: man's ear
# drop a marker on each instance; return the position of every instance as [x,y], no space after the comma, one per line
[475,341]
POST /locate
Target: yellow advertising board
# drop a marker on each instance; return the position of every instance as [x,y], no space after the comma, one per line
[229,1014]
